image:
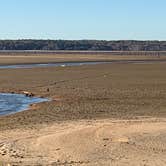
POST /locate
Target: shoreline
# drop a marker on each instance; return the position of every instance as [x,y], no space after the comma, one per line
[30,106]
[37,58]
[144,61]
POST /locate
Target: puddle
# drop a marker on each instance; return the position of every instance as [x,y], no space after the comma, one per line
[12,103]
[62,64]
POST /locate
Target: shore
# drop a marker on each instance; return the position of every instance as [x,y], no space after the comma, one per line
[92,102]
[9,58]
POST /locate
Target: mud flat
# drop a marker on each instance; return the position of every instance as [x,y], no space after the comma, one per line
[99,114]
[44,57]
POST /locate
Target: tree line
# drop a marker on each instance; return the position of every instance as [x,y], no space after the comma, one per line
[91,45]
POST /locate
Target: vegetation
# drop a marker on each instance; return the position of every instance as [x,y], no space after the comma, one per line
[127,45]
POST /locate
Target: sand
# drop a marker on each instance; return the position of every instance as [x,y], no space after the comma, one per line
[107,114]
[102,142]
[28,57]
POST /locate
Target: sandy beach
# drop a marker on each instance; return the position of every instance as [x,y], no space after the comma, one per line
[105,114]
[88,142]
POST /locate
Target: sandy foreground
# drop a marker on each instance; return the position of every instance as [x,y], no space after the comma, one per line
[108,114]
[102,142]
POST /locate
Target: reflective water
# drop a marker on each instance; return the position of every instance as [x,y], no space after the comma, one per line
[63,64]
[12,103]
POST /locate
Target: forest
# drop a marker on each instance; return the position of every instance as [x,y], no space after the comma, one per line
[92,45]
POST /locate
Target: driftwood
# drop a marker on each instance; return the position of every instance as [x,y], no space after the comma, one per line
[28,94]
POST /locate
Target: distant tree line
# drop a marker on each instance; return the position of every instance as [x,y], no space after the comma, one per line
[92,45]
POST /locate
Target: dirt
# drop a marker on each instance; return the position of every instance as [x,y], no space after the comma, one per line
[107,114]
[26,58]
[102,142]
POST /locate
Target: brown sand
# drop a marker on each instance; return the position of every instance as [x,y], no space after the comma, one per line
[106,142]
[109,114]
[15,58]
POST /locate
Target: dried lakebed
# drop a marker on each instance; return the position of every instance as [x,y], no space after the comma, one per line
[12,103]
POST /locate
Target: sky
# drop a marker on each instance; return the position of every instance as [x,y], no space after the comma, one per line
[83,19]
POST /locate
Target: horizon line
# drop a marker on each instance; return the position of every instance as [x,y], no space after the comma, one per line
[49,39]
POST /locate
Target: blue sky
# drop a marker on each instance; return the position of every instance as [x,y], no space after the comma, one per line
[83,19]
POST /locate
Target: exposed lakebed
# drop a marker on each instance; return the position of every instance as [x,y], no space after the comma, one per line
[12,103]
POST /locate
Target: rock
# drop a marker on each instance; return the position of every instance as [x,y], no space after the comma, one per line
[105,139]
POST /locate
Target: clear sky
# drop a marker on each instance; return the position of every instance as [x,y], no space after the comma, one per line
[83,19]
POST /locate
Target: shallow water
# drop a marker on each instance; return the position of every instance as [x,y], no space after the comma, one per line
[63,64]
[12,103]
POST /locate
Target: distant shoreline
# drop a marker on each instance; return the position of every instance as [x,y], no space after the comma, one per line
[43,57]
[51,64]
